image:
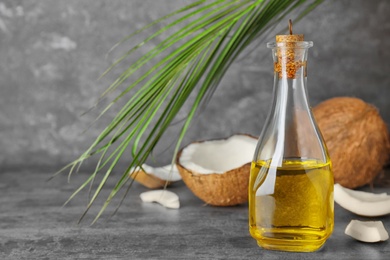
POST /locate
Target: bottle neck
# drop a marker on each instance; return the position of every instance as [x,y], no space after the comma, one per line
[290,110]
[290,79]
[290,94]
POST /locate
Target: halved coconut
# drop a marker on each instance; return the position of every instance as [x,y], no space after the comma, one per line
[155,177]
[217,171]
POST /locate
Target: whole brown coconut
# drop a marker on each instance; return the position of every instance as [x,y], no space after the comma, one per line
[357,139]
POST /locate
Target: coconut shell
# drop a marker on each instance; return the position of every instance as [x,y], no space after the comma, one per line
[148,180]
[357,139]
[227,189]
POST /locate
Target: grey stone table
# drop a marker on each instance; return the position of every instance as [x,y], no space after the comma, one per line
[33,225]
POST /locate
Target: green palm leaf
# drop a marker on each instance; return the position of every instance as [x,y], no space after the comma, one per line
[212,35]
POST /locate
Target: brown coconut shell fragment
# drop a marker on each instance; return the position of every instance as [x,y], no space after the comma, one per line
[148,180]
[357,139]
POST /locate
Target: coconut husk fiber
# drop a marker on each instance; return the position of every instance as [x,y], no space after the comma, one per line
[357,139]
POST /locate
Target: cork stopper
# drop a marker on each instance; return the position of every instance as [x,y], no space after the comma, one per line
[286,63]
[290,37]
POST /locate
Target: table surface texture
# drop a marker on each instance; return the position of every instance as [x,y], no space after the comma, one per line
[34,225]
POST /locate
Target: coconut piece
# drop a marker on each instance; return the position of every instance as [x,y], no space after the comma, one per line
[362,203]
[217,171]
[147,180]
[367,231]
[166,198]
[155,177]
[357,139]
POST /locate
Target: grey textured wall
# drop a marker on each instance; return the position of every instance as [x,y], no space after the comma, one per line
[52,53]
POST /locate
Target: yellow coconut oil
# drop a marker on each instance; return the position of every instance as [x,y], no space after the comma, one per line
[291,206]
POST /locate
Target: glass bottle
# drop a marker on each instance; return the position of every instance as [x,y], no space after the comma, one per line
[291,181]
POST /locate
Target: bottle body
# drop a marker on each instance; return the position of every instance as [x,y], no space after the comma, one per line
[291,181]
[298,215]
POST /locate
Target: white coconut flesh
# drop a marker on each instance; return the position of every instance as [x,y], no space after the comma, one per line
[367,231]
[167,173]
[166,198]
[362,203]
[218,156]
